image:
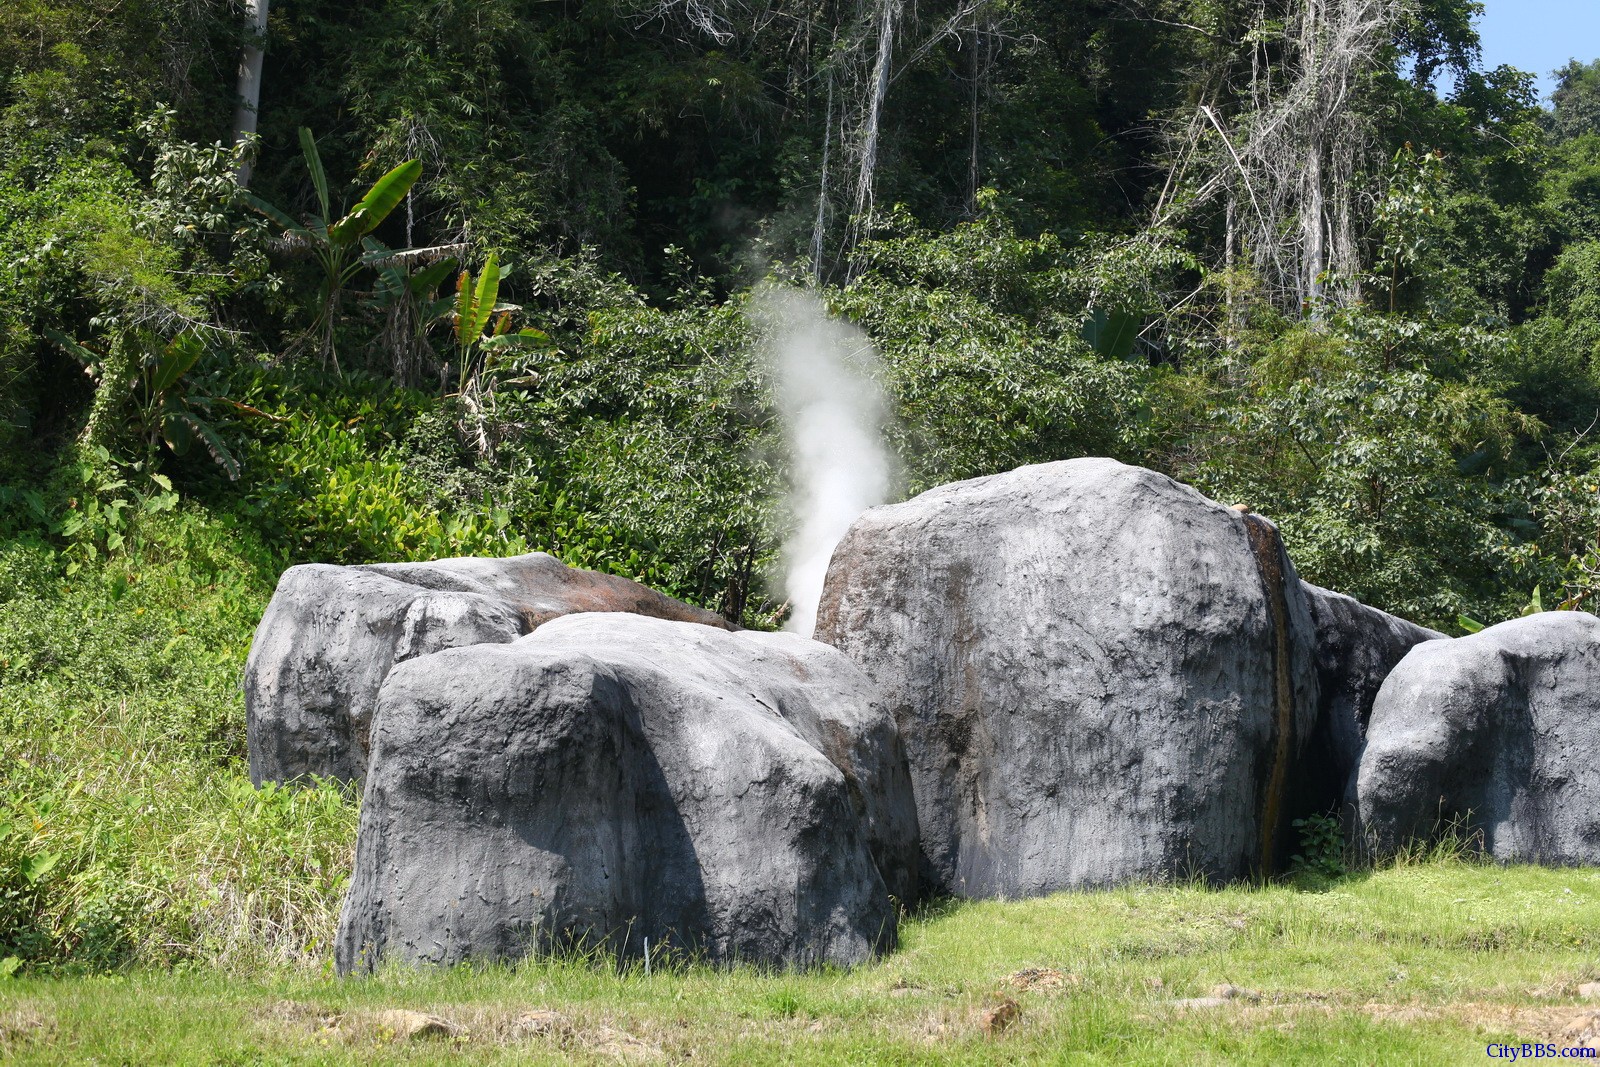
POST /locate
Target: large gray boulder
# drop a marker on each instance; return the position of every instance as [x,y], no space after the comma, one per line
[1355,648]
[609,778]
[331,635]
[1100,675]
[1498,732]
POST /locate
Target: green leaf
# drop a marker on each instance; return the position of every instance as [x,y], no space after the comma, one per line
[208,436]
[176,360]
[525,338]
[177,433]
[87,356]
[1468,623]
[431,277]
[9,966]
[1111,333]
[319,178]
[36,867]
[384,196]
[483,302]
[437,309]
[278,216]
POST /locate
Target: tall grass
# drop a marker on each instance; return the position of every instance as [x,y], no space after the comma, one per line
[128,826]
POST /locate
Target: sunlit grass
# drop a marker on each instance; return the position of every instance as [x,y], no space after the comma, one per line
[1418,964]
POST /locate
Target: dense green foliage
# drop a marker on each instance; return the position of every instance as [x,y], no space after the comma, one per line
[535,337]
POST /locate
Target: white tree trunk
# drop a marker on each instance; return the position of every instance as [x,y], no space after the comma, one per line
[820,227]
[880,91]
[244,113]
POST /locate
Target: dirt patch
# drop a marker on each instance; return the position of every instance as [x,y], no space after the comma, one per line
[23,1026]
[1043,980]
[458,1024]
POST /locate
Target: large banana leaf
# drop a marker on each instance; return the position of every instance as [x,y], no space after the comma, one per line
[1111,333]
[525,338]
[280,217]
[175,361]
[427,280]
[319,178]
[87,356]
[484,300]
[177,432]
[180,428]
[384,196]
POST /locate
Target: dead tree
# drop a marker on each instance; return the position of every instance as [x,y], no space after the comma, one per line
[1284,155]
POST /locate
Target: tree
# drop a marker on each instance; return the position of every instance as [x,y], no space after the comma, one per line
[1575,103]
[250,64]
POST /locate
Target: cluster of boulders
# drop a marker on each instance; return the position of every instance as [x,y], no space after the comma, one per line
[1071,675]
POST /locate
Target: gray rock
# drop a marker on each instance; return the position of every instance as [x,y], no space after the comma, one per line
[331,635]
[1100,675]
[609,778]
[1499,731]
[1356,647]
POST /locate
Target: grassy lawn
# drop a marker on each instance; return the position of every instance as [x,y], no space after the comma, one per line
[1423,963]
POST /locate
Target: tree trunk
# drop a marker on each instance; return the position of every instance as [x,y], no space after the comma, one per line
[820,226]
[244,114]
[880,90]
[972,147]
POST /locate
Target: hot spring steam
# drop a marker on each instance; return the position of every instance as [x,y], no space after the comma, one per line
[832,413]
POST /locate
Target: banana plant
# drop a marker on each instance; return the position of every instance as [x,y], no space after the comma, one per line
[483,326]
[410,304]
[482,333]
[336,245]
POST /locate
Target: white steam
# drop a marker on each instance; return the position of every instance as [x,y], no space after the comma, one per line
[832,412]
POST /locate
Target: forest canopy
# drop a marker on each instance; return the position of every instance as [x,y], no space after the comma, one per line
[484,290]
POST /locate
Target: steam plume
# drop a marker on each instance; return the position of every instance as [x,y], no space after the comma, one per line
[832,413]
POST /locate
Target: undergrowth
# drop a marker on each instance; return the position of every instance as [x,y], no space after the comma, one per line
[129,829]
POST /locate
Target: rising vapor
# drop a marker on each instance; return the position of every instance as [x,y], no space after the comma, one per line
[832,411]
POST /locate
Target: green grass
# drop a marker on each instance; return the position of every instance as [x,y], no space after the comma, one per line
[1414,964]
[154,908]
[128,826]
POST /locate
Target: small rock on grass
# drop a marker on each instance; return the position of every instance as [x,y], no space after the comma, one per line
[1233,992]
[414,1025]
[1589,991]
[1583,1031]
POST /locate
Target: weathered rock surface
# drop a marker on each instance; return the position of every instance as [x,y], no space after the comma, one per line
[1355,648]
[1100,675]
[611,777]
[1501,730]
[331,635]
